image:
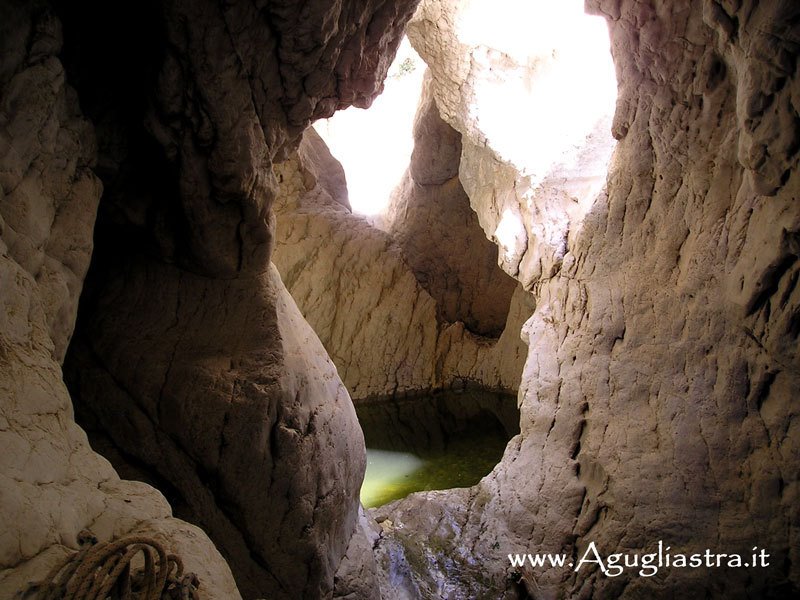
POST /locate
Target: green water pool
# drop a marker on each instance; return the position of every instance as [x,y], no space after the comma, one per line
[433,442]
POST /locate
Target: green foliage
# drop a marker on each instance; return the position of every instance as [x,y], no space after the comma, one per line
[405,67]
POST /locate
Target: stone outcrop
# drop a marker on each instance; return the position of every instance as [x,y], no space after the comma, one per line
[186,330]
[354,283]
[431,220]
[657,398]
[529,179]
[223,91]
[222,392]
[50,193]
[189,356]
[52,485]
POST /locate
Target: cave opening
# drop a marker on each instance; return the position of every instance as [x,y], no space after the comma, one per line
[374,146]
[538,98]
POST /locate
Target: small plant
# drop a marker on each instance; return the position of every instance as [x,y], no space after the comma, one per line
[405,67]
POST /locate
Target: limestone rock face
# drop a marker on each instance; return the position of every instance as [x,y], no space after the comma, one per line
[224,91]
[191,365]
[358,291]
[49,192]
[657,396]
[52,485]
[230,404]
[432,221]
[437,146]
[322,168]
[530,178]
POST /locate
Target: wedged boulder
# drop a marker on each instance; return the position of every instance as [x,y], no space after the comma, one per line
[221,390]
[430,218]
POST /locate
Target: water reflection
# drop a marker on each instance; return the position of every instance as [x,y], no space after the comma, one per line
[388,474]
[434,442]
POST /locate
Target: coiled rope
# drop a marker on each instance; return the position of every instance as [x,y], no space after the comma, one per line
[103,571]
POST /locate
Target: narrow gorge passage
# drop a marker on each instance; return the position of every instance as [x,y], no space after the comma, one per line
[401,276]
[573,315]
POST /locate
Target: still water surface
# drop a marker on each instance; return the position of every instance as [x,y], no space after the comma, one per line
[433,442]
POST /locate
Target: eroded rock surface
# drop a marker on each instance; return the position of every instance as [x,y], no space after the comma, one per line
[379,324]
[657,398]
[186,330]
[657,394]
[52,485]
[225,91]
[529,178]
[431,220]
[228,393]
[190,359]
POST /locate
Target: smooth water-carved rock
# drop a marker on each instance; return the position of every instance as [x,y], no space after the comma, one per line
[186,329]
[208,358]
[224,91]
[657,396]
[229,392]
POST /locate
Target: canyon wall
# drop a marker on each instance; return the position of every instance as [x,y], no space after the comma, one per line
[429,216]
[658,399]
[190,367]
[420,307]
[52,485]
[191,364]
[662,367]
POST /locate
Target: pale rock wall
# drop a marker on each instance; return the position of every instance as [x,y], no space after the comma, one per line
[528,208]
[190,360]
[354,285]
[50,193]
[658,396]
[52,485]
[430,218]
